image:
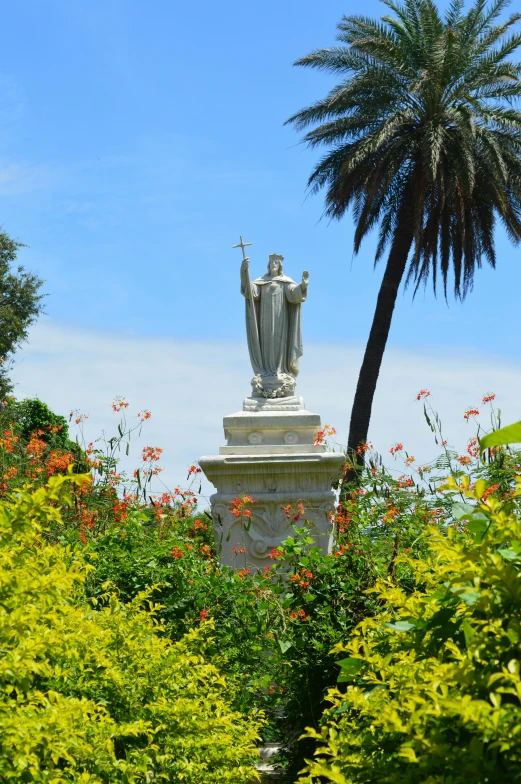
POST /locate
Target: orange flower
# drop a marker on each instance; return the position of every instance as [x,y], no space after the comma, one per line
[464,460]
[58,462]
[177,553]
[203,614]
[472,447]
[323,434]
[363,447]
[390,514]
[470,412]
[119,510]
[488,398]
[396,448]
[151,453]
[238,506]
[423,393]
[119,403]
[489,491]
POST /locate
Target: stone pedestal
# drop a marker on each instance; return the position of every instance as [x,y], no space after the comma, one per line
[270,456]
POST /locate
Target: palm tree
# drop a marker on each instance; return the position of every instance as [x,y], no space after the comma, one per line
[424,143]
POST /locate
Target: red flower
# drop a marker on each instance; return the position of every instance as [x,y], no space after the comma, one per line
[488,398]
[472,447]
[323,434]
[118,404]
[151,453]
[177,553]
[489,491]
[396,448]
[422,393]
[363,447]
[470,412]
[203,614]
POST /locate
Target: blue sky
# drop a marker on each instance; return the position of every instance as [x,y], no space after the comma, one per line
[137,141]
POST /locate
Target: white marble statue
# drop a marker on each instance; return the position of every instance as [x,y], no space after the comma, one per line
[273,327]
[271,452]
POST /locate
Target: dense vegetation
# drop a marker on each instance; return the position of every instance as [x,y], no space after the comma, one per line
[94,690]
[434,687]
[112,564]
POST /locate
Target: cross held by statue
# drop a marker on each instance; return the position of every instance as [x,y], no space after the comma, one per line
[242,245]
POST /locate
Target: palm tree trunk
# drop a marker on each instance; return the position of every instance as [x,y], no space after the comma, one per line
[374,351]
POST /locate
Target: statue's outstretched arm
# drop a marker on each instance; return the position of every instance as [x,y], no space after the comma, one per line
[246,285]
[298,293]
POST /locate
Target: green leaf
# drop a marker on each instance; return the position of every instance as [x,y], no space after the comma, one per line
[468,631]
[284,645]
[351,665]
[470,597]
[478,526]
[511,434]
[349,668]
[460,510]
[509,554]
[401,626]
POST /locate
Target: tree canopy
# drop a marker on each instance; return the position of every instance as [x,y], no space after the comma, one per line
[424,144]
[20,305]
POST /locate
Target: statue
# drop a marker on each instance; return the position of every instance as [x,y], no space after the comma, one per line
[272,453]
[273,326]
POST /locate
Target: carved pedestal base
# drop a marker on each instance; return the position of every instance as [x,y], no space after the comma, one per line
[270,456]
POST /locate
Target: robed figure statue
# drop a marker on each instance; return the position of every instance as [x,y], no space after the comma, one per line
[273,327]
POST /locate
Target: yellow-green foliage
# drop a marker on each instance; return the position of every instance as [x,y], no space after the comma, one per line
[97,694]
[433,682]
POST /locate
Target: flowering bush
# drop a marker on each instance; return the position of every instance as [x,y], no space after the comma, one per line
[95,691]
[274,630]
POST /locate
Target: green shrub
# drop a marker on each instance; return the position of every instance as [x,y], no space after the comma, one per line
[95,691]
[433,681]
[30,415]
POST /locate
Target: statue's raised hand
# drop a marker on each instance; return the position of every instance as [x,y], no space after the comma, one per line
[245,264]
[305,279]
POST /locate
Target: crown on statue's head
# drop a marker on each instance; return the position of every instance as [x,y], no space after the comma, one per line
[276,257]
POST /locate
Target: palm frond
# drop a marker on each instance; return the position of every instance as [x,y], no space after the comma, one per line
[426,113]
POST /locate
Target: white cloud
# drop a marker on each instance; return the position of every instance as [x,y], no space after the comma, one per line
[190,385]
[20,178]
